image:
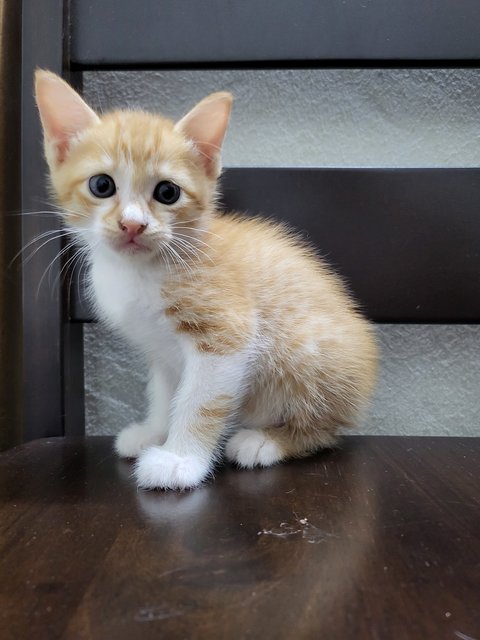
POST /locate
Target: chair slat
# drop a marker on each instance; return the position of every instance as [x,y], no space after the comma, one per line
[406,240]
[149,32]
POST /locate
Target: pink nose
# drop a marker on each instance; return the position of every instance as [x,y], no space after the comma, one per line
[132,228]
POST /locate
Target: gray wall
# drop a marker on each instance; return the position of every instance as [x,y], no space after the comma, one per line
[429,382]
[430,375]
[344,118]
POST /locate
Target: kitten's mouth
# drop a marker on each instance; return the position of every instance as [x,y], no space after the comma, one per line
[131,246]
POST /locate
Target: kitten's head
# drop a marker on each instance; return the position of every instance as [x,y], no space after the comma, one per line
[130,181]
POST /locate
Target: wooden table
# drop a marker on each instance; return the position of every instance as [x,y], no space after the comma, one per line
[377,540]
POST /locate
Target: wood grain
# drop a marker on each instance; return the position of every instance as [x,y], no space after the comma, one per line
[377,540]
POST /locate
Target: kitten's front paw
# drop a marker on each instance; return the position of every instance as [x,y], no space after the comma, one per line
[160,469]
[251,447]
[132,440]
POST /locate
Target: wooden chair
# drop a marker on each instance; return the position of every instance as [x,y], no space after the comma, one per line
[377,540]
[390,211]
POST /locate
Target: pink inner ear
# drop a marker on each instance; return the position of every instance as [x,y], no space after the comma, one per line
[61,149]
[62,133]
[63,113]
[206,125]
[59,138]
[207,131]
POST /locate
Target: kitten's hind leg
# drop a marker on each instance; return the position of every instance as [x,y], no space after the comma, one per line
[132,440]
[263,447]
[253,447]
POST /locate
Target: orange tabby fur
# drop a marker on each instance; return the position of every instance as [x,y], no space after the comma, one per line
[247,286]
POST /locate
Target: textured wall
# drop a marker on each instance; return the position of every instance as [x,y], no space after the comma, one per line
[430,378]
[429,383]
[345,118]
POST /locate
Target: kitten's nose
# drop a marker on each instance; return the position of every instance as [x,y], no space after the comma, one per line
[131,227]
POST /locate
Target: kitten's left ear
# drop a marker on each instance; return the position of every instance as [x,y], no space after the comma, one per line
[206,125]
[63,113]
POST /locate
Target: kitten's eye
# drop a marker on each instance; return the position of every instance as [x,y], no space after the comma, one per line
[102,186]
[166,192]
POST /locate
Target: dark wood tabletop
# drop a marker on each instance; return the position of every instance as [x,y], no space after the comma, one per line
[376,540]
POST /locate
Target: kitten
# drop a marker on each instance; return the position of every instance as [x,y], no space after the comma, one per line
[240,321]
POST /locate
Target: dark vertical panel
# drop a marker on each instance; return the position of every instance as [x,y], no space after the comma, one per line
[10,225]
[74,387]
[42,46]
[73,382]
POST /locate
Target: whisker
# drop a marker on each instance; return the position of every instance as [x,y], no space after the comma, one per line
[32,213]
[60,209]
[72,258]
[177,225]
[165,259]
[80,258]
[56,233]
[74,212]
[50,265]
[178,222]
[191,247]
[190,253]
[179,258]
[37,249]
[185,247]
[181,261]
[168,260]
[84,264]
[184,235]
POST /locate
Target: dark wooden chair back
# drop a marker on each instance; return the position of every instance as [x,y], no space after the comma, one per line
[407,240]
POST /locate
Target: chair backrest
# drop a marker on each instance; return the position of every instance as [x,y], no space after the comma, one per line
[374,224]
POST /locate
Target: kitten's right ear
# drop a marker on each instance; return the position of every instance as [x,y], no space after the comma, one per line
[63,113]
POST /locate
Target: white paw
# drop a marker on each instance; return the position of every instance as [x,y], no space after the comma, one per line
[250,448]
[132,440]
[160,469]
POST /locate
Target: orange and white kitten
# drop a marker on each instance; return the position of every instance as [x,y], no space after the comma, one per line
[253,343]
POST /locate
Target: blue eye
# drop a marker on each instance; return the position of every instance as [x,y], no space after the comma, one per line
[102,186]
[166,192]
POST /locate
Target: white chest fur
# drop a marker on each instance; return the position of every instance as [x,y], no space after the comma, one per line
[128,296]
